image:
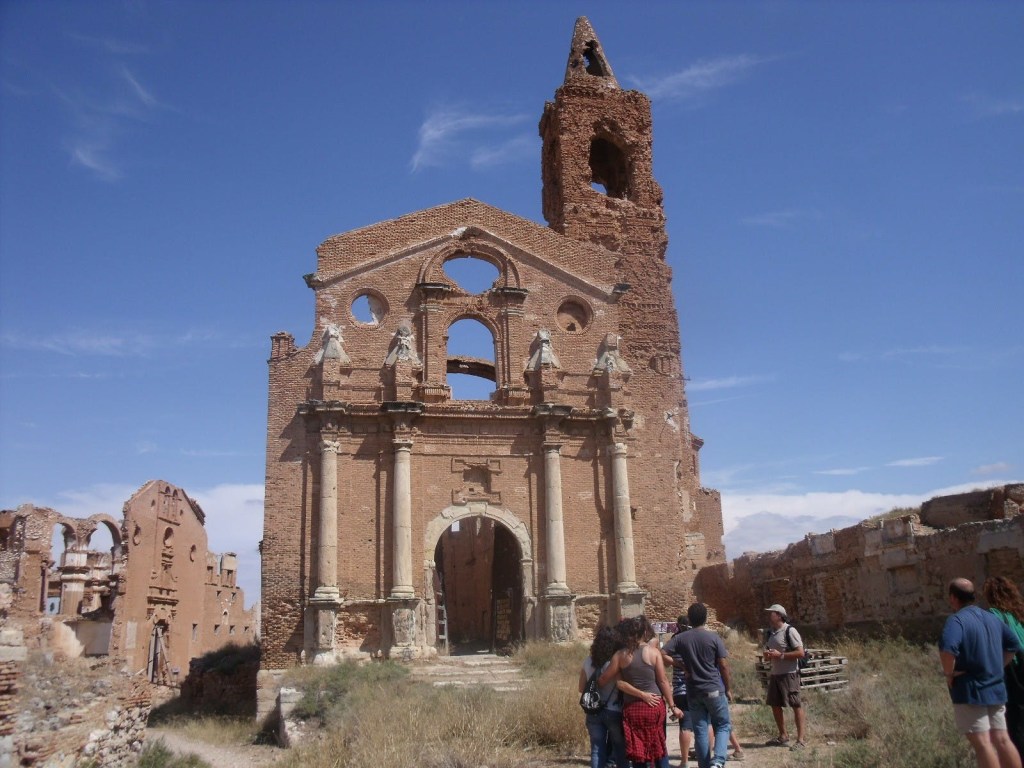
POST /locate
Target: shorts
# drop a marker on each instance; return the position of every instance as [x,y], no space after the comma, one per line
[784,691]
[686,722]
[978,718]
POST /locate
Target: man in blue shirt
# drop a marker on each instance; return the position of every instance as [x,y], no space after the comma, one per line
[974,648]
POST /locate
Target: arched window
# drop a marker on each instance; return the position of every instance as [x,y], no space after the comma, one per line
[102,540]
[471,368]
[609,168]
[61,541]
[471,273]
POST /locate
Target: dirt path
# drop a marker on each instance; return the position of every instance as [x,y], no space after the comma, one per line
[218,756]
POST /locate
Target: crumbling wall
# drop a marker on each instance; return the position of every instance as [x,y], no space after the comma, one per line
[877,572]
[68,712]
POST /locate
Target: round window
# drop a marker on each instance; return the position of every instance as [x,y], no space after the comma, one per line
[573,316]
[369,308]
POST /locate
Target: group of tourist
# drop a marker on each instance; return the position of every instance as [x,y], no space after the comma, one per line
[629,667]
[982,656]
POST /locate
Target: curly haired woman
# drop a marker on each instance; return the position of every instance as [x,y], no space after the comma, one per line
[1005,601]
[604,727]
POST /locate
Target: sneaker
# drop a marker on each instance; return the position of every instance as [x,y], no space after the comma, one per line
[797,745]
[778,741]
[737,756]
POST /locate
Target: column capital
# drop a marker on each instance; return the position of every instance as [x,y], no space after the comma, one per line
[330,446]
[402,443]
[618,449]
[551,446]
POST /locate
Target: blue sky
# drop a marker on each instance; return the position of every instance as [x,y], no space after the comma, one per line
[844,186]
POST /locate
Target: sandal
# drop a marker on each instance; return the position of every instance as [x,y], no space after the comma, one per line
[778,741]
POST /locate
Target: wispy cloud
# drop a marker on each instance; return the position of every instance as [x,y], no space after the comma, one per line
[842,471]
[992,469]
[728,382]
[923,461]
[145,446]
[510,151]
[96,343]
[983,105]
[700,78]
[939,356]
[111,45]
[101,118]
[449,132]
[780,219]
[142,93]
[209,453]
[93,154]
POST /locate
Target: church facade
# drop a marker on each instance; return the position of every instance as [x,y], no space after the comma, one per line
[399,520]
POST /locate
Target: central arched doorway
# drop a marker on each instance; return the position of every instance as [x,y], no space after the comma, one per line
[478,581]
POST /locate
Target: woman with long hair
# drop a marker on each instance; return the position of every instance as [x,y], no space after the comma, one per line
[1005,601]
[604,727]
[646,690]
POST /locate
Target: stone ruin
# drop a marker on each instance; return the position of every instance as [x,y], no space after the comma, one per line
[881,572]
[84,632]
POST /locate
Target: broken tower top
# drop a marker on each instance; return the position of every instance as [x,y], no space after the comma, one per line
[587,63]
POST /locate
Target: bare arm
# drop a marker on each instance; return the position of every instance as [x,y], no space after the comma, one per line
[635,692]
[609,674]
[666,690]
[723,667]
[948,660]
[583,679]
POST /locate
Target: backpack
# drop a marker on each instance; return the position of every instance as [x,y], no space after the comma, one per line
[791,646]
[590,700]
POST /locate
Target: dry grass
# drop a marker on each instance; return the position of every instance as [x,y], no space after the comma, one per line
[397,721]
[895,713]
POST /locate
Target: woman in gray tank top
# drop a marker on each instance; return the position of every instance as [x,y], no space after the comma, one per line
[646,690]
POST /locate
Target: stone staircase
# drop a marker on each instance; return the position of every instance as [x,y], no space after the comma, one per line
[464,671]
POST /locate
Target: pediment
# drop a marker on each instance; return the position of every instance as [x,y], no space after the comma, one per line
[430,236]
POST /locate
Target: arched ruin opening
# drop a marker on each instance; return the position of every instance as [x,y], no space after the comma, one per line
[478,575]
[471,369]
[609,168]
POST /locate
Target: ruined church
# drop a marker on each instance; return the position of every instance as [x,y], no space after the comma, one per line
[399,520]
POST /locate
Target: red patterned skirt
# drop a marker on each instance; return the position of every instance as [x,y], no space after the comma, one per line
[645,731]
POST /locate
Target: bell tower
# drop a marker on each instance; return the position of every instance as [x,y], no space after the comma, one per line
[598,181]
[599,187]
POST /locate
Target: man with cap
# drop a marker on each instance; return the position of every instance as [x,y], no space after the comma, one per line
[784,648]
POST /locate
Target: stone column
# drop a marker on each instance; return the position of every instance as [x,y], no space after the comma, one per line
[401,553]
[553,521]
[327,533]
[624,559]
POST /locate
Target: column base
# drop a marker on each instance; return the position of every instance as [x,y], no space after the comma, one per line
[560,617]
[405,641]
[321,621]
[630,602]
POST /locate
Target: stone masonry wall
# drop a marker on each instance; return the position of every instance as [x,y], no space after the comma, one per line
[883,572]
[56,711]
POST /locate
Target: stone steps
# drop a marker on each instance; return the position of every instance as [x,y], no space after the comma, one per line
[474,670]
